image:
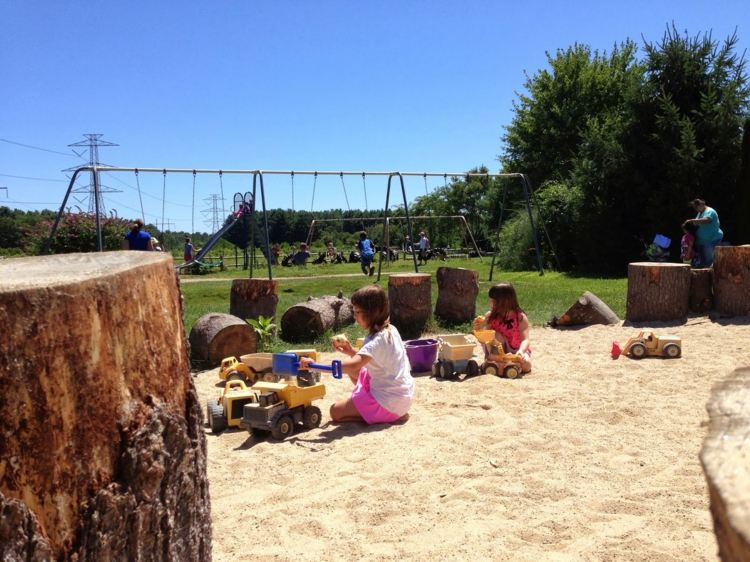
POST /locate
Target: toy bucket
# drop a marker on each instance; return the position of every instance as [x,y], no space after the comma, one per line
[421,354]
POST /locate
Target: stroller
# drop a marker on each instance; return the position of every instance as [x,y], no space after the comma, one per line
[658,250]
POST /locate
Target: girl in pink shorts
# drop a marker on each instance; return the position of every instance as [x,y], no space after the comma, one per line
[384,387]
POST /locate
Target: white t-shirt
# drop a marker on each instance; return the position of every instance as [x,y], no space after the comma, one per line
[391,382]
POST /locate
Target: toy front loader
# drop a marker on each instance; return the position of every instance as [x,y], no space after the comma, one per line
[496,361]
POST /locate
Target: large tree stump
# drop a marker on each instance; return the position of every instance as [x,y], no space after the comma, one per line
[732,280]
[657,291]
[457,294]
[308,320]
[588,309]
[102,450]
[701,298]
[216,336]
[724,457]
[410,296]
[251,298]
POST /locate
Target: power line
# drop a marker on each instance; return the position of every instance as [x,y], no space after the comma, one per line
[30,178]
[37,148]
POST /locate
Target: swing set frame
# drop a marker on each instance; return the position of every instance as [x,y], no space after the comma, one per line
[258,174]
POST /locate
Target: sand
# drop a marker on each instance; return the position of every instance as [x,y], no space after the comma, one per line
[585,458]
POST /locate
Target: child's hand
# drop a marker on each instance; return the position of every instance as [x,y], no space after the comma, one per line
[478,323]
[341,343]
[304,363]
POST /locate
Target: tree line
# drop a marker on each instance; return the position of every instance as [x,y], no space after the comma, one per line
[615,144]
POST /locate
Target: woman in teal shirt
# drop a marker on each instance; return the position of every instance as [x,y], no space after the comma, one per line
[709,232]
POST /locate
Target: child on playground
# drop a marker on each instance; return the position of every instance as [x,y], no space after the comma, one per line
[384,387]
[366,253]
[687,244]
[509,321]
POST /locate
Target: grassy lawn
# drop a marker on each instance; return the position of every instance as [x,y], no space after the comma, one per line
[540,296]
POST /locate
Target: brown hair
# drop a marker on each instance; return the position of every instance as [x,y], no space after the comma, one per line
[373,301]
[505,300]
[697,201]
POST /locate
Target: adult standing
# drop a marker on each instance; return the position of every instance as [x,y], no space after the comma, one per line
[709,232]
[188,250]
[137,238]
[424,245]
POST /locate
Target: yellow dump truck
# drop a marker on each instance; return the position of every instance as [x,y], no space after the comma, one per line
[281,406]
[646,343]
[226,411]
[254,367]
[496,361]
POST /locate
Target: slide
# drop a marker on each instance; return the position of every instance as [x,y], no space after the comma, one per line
[231,221]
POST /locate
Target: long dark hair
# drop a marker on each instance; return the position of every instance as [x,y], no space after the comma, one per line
[373,301]
[504,300]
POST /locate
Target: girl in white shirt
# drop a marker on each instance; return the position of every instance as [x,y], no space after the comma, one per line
[384,387]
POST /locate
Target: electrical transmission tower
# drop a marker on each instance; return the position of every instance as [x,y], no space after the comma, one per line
[93,142]
[213,212]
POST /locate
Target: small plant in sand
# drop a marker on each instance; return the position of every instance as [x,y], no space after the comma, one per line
[265,328]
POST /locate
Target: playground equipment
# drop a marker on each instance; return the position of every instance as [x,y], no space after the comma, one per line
[227,410]
[456,356]
[496,361]
[646,343]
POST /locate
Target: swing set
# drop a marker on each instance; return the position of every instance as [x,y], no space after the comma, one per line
[258,183]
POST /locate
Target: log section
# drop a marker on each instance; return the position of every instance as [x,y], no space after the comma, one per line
[102,450]
[410,296]
[657,291]
[701,290]
[457,294]
[724,457]
[251,298]
[588,309]
[306,321]
[216,336]
[732,280]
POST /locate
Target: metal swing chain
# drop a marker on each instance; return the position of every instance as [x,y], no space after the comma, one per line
[192,217]
[364,188]
[315,183]
[292,190]
[346,197]
[221,187]
[140,198]
[163,196]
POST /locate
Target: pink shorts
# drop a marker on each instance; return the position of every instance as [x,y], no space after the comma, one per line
[366,405]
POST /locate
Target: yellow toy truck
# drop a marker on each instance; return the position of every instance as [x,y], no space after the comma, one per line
[227,410]
[496,361]
[281,406]
[646,343]
[254,367]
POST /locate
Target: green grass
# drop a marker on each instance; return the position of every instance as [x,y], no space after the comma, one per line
[542,297]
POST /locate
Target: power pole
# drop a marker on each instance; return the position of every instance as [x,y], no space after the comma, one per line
[213,212]
[95,188]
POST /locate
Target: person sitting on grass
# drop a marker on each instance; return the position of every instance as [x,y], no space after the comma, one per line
[384,387]
[301,257]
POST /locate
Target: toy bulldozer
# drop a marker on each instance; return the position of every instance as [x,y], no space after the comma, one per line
[227,410]
[496,361]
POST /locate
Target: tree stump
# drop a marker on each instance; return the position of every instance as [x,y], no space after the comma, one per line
[657,291]
[251,298]
[216,336]
[307,321]
[588,309]
[457,294]
[410,296]
[724,458]
[701,298]
[102,449]
[732,280]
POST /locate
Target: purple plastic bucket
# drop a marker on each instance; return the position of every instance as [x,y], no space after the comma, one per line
[421,354]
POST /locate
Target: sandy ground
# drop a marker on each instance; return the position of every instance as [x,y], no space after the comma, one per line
[586,458]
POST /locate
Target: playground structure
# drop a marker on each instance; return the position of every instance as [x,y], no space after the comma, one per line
[258,174]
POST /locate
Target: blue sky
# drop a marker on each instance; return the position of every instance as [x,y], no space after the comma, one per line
[359,85]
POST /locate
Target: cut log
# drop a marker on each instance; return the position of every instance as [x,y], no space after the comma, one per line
[306,321]
[732,280]
[100,418]
[216,336]
[657,291]
[701,298]
[724,458]
[457,294]
[410,296]
[588,309]
[251,298]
